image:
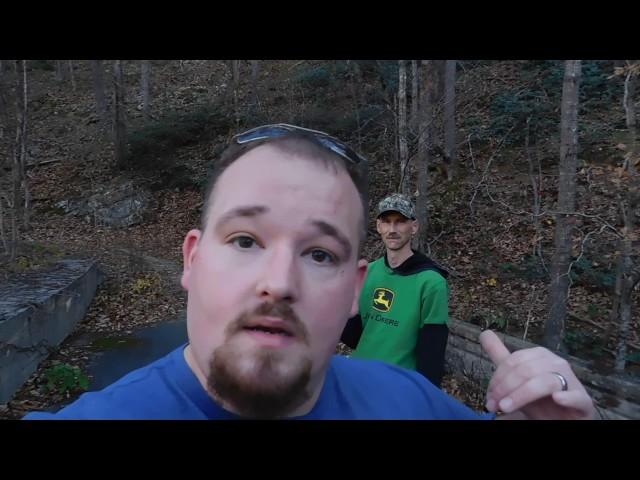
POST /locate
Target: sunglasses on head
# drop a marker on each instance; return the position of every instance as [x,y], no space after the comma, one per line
[282,129]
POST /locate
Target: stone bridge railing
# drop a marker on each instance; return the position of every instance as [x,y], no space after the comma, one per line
[37,312]
[617,397]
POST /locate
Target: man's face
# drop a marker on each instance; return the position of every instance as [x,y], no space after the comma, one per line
[396,230]
[272,280]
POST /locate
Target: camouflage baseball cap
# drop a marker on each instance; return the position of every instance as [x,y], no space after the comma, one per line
[397,202]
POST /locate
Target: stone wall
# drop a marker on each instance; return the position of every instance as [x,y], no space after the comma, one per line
[37,312]
[617,396]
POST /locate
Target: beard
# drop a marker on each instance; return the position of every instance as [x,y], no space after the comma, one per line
[260,382]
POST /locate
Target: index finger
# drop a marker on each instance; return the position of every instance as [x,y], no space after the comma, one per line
[493,346]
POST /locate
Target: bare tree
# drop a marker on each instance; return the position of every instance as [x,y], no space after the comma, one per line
[71,76]
[235,85]
[4,118]
[627,274]
[630,113]
[255,70]
[535,176]
[120,115]
[235,73]
[450,117]
[3,101]
[19,157]
[425,121]
[415,100]
[98,90]
[3,235]
[402,125]
[59,71]
[559,288]
[145,81]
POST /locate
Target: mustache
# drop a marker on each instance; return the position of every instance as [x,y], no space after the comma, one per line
[281,310]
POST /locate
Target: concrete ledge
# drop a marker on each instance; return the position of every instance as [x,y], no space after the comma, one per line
[37,312]
[617,396]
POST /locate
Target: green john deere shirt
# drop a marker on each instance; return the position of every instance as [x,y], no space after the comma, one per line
[393,308]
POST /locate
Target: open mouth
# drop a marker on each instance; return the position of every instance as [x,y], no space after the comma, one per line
[269,330]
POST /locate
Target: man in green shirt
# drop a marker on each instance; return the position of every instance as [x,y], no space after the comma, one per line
[404,303]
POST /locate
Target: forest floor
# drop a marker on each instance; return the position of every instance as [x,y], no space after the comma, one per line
[481,227]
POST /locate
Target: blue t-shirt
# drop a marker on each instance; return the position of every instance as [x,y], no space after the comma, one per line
[354,389]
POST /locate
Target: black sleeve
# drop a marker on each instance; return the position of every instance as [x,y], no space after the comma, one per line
[352,332]
[430,349]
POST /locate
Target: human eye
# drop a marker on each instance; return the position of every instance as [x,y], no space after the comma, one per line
[322,257]
[243,242]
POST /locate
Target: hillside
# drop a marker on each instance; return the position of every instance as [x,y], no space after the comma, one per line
[480,223]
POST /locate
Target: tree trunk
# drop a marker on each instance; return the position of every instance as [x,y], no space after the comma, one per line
[3,102]
[402,125]
[19,152]
[626,278]
[23,149]
[450,117]
[235,83]
[119,126]
[71,76]
[559,288]
[630,116]
[59,71]
[3,236]
[255,70]
[536,187]
[146,89]
[98,90]
[235,73]
[624,289]
[425,121]
[415,93]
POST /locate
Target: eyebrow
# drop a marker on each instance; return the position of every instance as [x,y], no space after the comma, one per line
[241,212]
[332,231]
[255,210]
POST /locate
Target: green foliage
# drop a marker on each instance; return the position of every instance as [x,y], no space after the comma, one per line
[490,320]
[23,263]
[46,65]
[321,78]
[388,71]
[349,122]
[511,110]
[152,145]
[65,378]
[540,100]
[594,311]
[634,357]
[529,268]
[595,86]
[586,274]
[579,342]
[583,273]
[316,77]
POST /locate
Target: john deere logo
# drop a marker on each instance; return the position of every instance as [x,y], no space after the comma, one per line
[382,299]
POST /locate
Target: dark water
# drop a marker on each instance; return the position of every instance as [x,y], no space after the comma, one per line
[117,356]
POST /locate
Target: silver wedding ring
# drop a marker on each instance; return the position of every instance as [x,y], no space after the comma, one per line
[563,381]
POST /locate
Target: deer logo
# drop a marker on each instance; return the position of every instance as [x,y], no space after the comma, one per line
[382,299]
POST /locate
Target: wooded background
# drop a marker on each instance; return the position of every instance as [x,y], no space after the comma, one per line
[525,175]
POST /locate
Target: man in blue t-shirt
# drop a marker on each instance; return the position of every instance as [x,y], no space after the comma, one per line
[271,277]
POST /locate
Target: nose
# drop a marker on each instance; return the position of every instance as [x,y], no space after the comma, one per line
[279,279]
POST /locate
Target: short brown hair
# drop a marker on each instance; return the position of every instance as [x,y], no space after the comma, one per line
[299,143]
